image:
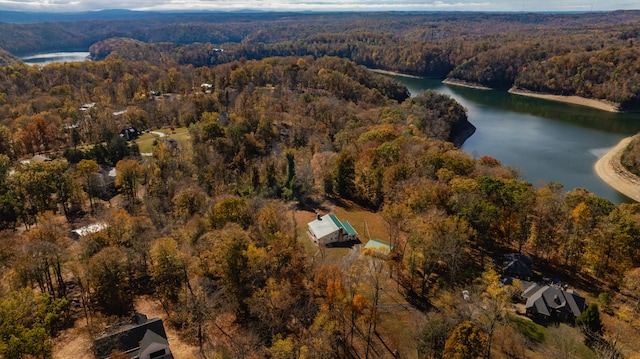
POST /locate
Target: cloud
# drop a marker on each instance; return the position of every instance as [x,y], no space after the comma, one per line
[326,5]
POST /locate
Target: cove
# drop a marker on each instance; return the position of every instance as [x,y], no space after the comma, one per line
[545,141]
[50,57]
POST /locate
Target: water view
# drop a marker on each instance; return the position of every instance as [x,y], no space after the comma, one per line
[545,141]
[47,58]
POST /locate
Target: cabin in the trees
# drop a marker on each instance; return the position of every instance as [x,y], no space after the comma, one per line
[517,265]
[129,133]
[552,302]
[328,230]
[141,338]
[88,229]
[87,106]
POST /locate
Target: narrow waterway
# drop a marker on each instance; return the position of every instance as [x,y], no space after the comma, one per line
[545,141]
[47,58]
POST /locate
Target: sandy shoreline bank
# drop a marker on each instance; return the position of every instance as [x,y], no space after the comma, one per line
[610,170]
[462,83]
[386,72]
[576,100]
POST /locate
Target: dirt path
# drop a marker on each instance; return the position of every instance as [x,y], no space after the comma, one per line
[615,175]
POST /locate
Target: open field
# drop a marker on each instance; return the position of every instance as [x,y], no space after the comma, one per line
[146,140]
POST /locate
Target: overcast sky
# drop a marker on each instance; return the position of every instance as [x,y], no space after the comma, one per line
[323,5]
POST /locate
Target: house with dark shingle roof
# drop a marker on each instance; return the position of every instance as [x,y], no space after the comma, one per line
[141,338]
[328,229]
[517,265]
[552,302]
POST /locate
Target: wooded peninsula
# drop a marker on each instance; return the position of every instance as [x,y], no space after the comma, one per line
[188,171]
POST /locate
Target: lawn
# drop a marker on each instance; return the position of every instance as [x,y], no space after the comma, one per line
[530,329]
[146,141]
[366,223]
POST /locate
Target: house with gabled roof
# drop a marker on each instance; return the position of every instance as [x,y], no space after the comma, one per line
[328,229]
[552,302]
[141,338]
[517,265]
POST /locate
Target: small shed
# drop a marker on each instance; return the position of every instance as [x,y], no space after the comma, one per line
[378,247]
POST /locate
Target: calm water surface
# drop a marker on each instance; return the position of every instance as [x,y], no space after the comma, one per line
[47,58]
[545,141]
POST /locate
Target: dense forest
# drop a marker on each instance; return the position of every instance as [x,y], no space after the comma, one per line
[206,214]
[590,55]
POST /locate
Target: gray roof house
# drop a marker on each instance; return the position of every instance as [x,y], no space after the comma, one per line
[552,302]
[517,265]
[141,338]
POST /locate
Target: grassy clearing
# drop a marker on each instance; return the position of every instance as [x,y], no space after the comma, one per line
[146,141]
[530,329]
[361,220]
[397,334]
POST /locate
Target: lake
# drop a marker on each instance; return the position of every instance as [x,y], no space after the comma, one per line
[545,141]
[47,58]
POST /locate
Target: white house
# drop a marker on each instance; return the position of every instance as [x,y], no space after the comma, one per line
[329,229]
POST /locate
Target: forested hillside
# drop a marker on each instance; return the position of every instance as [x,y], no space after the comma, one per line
[6,58]
[589,55]
[210,221]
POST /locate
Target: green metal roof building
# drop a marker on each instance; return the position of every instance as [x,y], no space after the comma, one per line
[329,229]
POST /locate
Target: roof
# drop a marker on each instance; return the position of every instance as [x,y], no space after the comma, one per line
[553,297]
[529,288]
[91,228]
[323,226]
[128,336]
[344,225]
[328,224]
[517,265]
[151,337]
[378,246]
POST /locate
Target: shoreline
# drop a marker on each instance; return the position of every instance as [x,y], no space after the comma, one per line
[575,100]
[462,83]
[387,72]
[611,171]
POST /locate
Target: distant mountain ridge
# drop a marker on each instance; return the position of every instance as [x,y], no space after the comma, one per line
[24,17]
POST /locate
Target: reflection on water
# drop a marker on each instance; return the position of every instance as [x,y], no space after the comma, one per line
[50,57]
[546,141]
